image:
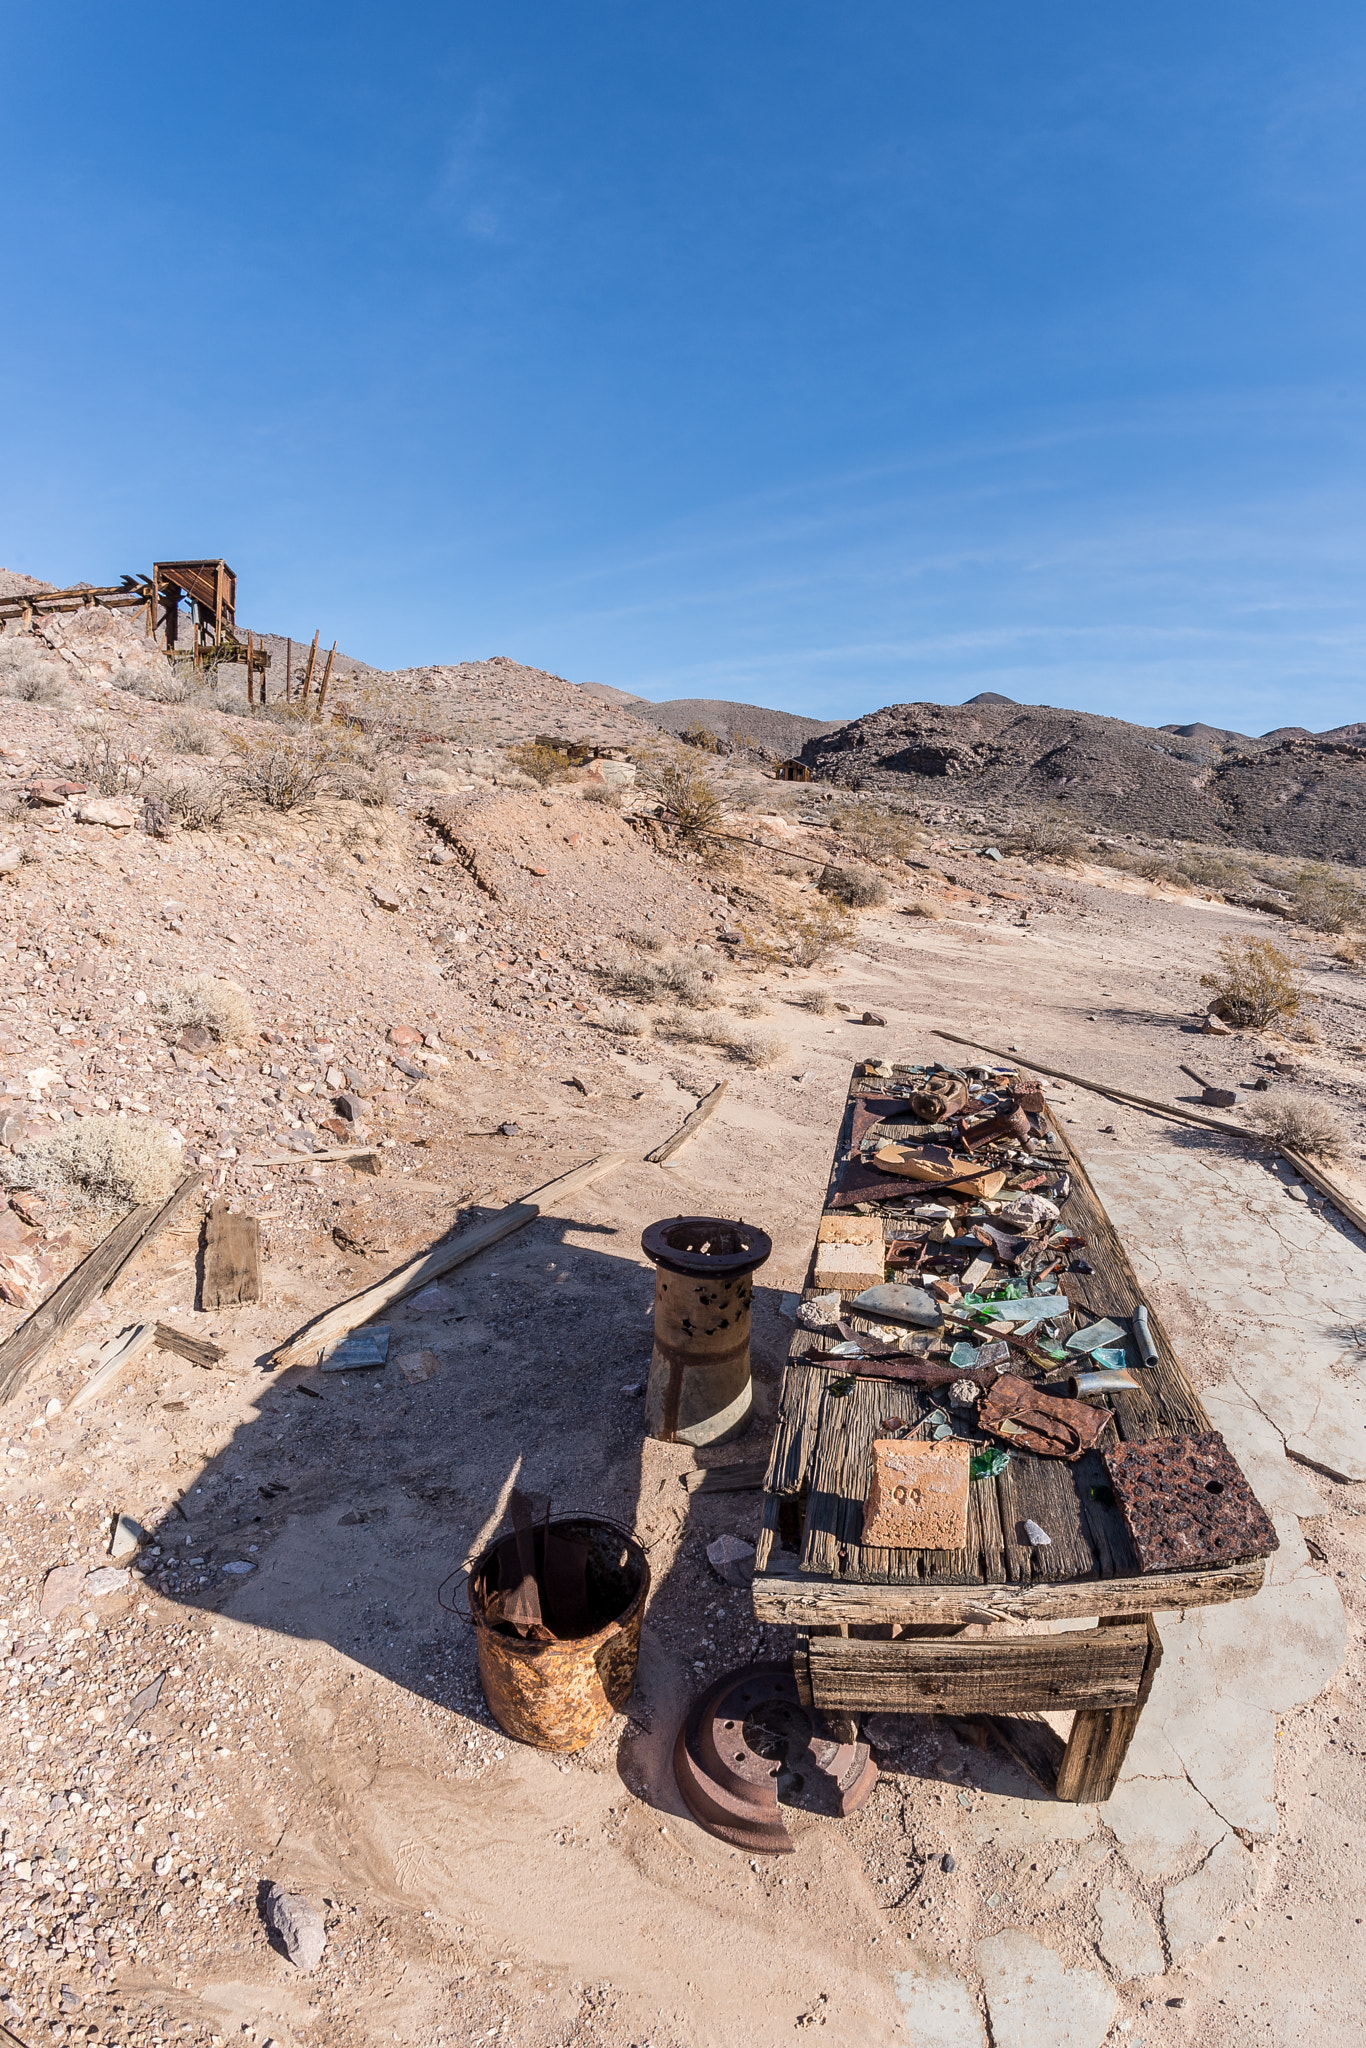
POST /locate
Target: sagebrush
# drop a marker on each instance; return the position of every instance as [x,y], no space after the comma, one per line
[101,1160]
[1302,1124]
[853,887]
[220,1006]
[1255,985]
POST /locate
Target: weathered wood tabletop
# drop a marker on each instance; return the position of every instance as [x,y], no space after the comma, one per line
[852,1603]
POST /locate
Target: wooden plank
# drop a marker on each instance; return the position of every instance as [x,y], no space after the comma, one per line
[793,1598]
[443,1258]
[1044,1490]
[22,1352]
[112,1359]
[794,1440]
[689,1127]
[724,1479]
[1100,1737]
[1093,1670]
[198,1350]
[232,1258]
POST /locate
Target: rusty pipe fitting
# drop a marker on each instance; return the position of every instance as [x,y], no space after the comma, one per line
[700,1390]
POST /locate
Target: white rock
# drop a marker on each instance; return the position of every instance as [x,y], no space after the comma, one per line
[940,2009]
[1195,1910]
[732,1559]
[1035,2001]
[1128,1938]
[102,810]
[128,1538]
[106,1580]
[299,1926]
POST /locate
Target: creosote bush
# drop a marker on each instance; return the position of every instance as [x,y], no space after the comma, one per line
[1327,901]
[818,1000]
[689,798]
[196,802]
[1302,1124]
[800,938]
[543,764]
[1255,984]
[1047,834]
[102,1160]
[873,831]
[852,887]
[757,1048]
[210,1000]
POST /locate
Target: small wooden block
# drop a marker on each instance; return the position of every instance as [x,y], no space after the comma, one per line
[849,1268]
[232,1258]
[850,1230]
[918,1499]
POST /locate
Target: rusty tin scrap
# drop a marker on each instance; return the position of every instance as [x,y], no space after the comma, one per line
[1021,1417]
[1186,1504]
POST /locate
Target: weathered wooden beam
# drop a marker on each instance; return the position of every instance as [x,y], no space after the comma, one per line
[1092,1670]
[114,1358]
[21,1353]
[795,1598]
[232,1259]
[689,1127]
[443,1258]
[1101,1734]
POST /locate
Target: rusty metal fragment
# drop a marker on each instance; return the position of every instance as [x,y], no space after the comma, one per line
[1017,1414]
[1185,1503]
[748,1737]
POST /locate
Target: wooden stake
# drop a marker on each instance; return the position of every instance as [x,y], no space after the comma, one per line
[308,672]
[289,663]
[443,1258]
[327,677]
[251,675]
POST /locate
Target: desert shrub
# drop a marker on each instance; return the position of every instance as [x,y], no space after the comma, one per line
[596,794]
[108,766]
[1152,867]
[101,1159]
[542,763]
[757,1048]
[357,781]
[1210,870]
[1327,901]
[284,774]
[751,1005]
[625,1023]
[200,805]
[1302,1124]
[818,1000]
[1046,834]
[693,1029]
[692,803]
[161,684]
[702,736]
[210,1000]
[925,906]
[1348,951]
[852,887]
[647,981]
[186,733]
[801,938]
[873,831]
[646,941]
[1255,984]
[29,674]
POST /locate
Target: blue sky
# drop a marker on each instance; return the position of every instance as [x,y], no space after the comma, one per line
[821,356]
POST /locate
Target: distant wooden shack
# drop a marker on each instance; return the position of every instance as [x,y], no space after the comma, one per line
[792,771]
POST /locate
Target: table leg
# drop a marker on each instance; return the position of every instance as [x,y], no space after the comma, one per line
[1099,1742]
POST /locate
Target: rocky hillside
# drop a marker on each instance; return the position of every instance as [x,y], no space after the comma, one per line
[1288,793]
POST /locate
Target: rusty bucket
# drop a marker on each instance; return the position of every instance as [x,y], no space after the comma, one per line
[558,1695]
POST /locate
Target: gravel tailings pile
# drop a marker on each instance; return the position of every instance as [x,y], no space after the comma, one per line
[781,733]
[1303,795]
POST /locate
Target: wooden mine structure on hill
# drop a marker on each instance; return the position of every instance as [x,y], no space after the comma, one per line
[200,594]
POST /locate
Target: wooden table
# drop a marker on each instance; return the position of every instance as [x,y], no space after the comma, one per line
[938,1632]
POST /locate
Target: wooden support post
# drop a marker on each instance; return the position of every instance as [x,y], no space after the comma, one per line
[308,672]
[327,677]
[1099,1742]
[251,675]
[289,663]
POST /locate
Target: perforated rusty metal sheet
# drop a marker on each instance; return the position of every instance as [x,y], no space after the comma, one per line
[1186,1503]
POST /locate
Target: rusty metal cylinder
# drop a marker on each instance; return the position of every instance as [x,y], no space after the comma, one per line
[700,1391]
[558,1695]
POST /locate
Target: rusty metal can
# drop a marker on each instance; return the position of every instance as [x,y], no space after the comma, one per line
[700,1391]
[558,1695]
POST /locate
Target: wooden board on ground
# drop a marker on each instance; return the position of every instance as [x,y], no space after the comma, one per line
[689,1127]
[232,1259]
[21,1353]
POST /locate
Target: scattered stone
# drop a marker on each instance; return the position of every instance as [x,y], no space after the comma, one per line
[732,1559]
[298,1925]
[384,899]
[403,1036]
[1215,1027]
[416,1366]
[103,810]
[240,1566]
[873,1017]
[433,1299]
[128,1538]
[105,1581]
[196,1038]
[62,1588]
